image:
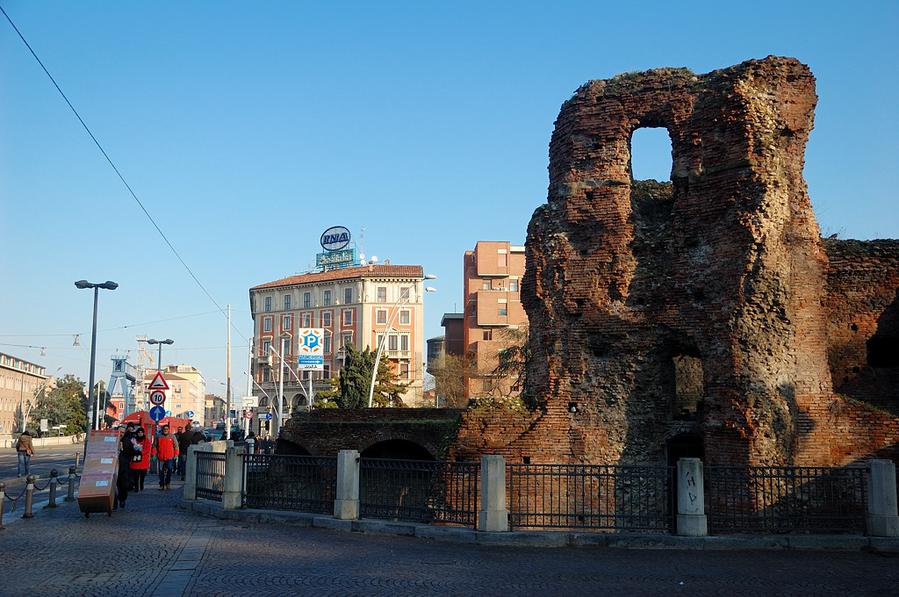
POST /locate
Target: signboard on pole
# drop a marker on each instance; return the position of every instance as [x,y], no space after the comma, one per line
[158,382]
[266,417]
[250,401]
[45,425]
[311,356]
[157,413]
[157,397]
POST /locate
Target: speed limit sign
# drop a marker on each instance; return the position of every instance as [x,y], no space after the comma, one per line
[157,397]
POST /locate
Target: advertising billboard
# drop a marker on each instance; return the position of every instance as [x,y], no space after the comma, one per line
[311,355]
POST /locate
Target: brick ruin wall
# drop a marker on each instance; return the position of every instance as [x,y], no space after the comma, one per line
[716,284]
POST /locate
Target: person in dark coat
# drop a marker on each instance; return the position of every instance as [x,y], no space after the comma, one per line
[126,456]
[183,437]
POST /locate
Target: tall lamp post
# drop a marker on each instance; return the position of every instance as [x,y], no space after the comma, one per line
[160,343]
[83,285]
[403,300]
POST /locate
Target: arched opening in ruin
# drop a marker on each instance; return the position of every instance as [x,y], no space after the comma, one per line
[399,449]
[883,351]
[652,155]
[286,447]
[684,445]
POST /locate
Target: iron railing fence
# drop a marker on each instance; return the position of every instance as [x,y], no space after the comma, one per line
[420,491]
[778,499]
[282,482]
[210,475]
[586,496]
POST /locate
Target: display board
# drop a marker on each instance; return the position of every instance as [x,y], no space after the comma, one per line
[96,492]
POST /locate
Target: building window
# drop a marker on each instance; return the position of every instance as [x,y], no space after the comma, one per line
[382,294]
[305,375]
[347,317]
[267,304]
[287,302]
[307,320]
[326,298]
[267,324]
[285,345]
[326,373]
[307,300]
[287,321]
[501,260]
[266,347]
[391,342]
[503,311]
[326,319]
[404,317]
[404,343]
[327,344]
[347,339]
[513,285]
[266,375]
[404,292]
[487,385]
[347,296]
[404,370]
[488,334]
[381,316]
[485,285]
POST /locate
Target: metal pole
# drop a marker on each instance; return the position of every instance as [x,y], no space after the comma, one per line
[249,379]
[90,418]
[276,429]
[228,378]
[70,493]
[159,360]
[2,503]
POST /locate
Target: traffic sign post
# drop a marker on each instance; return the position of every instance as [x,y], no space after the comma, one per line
[158,382]
[157,397]
[157,413]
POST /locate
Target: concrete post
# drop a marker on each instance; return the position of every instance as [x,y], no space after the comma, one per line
[29,496]
[494,515]
[346,504]
[2,503]
[70,493]
[691,518]
[190,470]
[51,501]
[232,497]
[882,519]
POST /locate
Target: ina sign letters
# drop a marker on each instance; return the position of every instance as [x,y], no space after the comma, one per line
[335,238]
[311,352]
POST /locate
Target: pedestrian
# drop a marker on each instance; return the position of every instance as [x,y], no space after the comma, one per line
[126,455]
[24,452]
[251,443]
[140,464]
[166,450]
[197,436]
[183,438]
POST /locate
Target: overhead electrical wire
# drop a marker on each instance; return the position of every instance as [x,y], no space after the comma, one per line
[118,173]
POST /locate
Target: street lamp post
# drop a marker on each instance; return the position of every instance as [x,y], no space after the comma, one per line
[403,300]
[83,285]
[160,343]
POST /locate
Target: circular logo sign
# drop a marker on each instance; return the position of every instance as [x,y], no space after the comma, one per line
[335,238]
[157,397]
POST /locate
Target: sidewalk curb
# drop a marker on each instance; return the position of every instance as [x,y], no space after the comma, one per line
[550,538]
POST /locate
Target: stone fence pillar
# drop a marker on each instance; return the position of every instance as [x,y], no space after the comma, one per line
[494,515]
[232,497]
[190,470]
[346,504]
[691,518]
[882,519]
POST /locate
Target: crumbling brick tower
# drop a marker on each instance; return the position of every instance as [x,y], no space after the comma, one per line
[696,307]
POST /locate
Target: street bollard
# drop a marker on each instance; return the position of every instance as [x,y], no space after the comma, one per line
[77,454]
[70,495]
[51,503]
[2,502]
[29,496]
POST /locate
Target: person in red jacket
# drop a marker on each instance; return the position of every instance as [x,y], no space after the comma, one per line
[166,451]
[140,464]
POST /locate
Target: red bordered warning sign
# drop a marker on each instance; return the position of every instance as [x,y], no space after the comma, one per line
[158,382]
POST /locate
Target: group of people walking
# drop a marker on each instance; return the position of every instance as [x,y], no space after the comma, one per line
[136,451]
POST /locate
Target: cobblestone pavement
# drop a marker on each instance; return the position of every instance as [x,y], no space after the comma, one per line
[154,548]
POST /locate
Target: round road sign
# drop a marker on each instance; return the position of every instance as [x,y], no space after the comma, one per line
[157,413]
[157,397]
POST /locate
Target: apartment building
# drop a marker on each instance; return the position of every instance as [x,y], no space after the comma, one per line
[355,306]
[19,381]
[492,283]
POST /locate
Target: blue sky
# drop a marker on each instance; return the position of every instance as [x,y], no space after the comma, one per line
[248,128]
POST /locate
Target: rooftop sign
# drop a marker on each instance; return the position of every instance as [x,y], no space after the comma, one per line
[335,238]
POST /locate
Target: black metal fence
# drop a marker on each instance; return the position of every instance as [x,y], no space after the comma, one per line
[774,499]
[419,491]
[210,475]
[580,496]
[280,482]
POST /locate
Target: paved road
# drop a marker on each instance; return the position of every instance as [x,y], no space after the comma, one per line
[155,549]
[44,459]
